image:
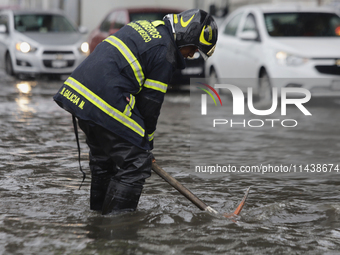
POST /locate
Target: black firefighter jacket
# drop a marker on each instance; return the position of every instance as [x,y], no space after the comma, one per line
[121,84]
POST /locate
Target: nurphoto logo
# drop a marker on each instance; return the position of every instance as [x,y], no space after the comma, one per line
[204,97]
[299,98]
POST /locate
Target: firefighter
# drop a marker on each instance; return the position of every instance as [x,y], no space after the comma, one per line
[116,95]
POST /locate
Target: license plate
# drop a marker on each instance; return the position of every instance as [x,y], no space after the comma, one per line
[59,63]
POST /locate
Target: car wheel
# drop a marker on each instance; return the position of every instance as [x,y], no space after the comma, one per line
[8,65]
[264,88]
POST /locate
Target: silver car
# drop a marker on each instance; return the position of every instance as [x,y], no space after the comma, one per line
[40,42]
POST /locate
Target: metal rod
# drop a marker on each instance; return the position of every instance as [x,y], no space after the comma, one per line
[183,190]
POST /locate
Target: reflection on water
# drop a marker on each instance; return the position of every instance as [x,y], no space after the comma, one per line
[23,100]
[43,212]
[24,87]
[24,108]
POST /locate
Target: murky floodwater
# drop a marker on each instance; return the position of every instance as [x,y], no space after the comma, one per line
[42,211]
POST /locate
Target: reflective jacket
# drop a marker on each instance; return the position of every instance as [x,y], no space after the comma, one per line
[121,84]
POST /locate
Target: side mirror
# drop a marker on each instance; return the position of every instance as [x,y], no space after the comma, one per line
[248,35]
[3,28]
[82,29]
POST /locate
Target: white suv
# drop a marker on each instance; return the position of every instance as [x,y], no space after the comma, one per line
[285,45]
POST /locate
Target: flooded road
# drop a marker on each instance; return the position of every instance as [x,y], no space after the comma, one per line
[42,211]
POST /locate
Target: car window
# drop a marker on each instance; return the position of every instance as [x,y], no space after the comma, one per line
[302,24]
[4,20]
[231,27]
[250,24]
[106,24]
[120,20]
[42,23]
[147,16]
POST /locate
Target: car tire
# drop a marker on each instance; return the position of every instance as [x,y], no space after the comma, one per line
[264,88]
[9,65]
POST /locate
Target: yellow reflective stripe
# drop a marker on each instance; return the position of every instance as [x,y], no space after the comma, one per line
[156,85]
[130,106]
[127,111]
[151,136]
[156,23]
[132,102]
[128,55]
[104,106]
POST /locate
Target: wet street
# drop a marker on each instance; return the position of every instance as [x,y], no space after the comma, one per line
[42,210]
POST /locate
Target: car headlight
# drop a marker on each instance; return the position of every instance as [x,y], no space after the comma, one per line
[84,48]
[285,58]
[24,47]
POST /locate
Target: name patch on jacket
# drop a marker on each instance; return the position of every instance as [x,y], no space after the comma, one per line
[145,29]
[74,98]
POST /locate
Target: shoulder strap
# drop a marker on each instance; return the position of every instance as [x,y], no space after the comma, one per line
[77,139]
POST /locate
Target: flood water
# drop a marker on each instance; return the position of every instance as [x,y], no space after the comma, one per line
[42,211]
